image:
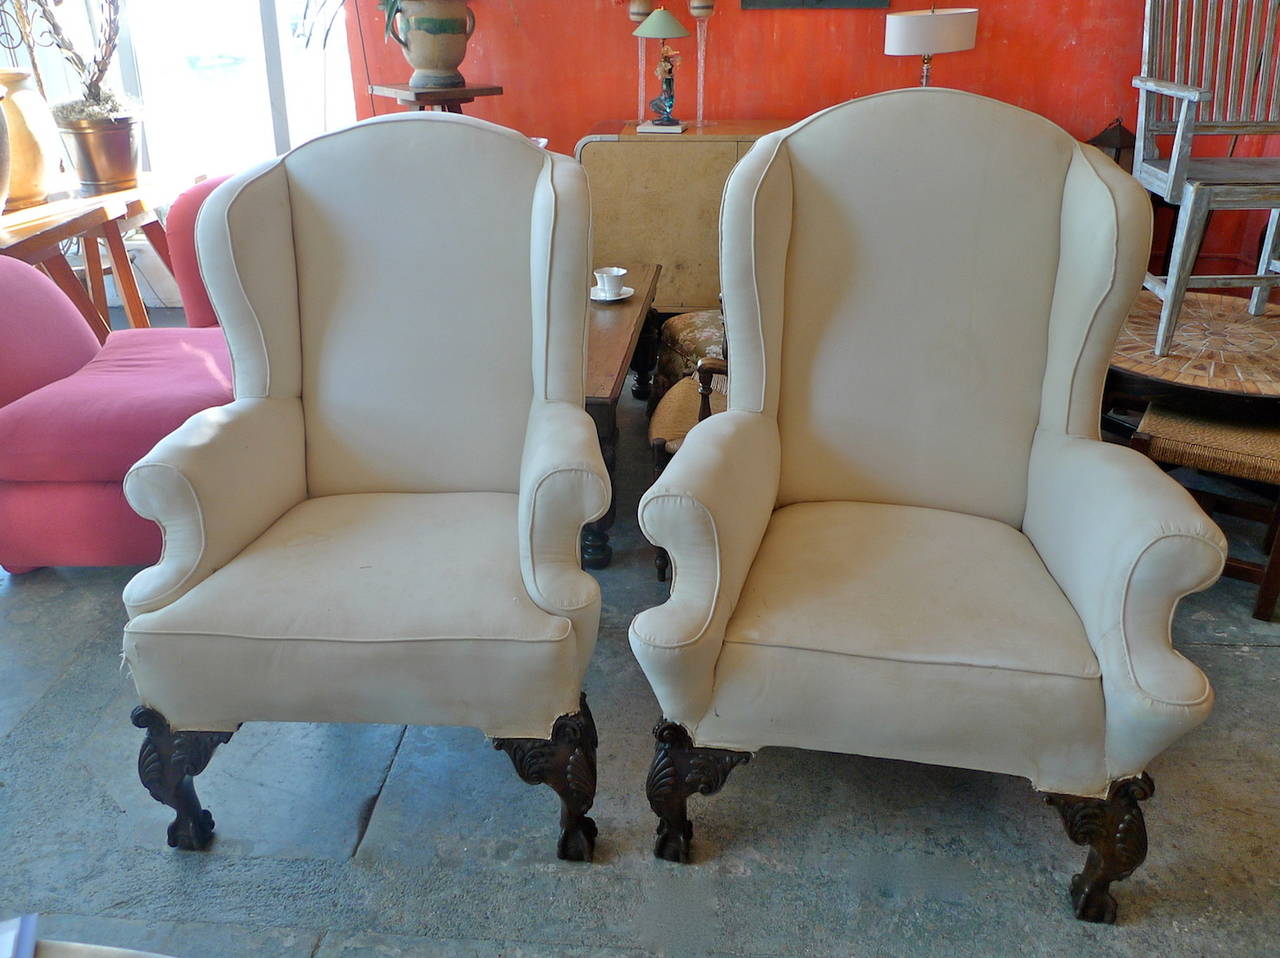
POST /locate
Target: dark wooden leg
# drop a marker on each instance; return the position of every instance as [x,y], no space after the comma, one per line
[646,354]
[661,560]
[1116,834]
[679,770]
[1269,588]
[168,763]
[596,551]
[567,763]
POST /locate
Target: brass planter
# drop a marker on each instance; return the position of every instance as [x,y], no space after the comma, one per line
[105,153]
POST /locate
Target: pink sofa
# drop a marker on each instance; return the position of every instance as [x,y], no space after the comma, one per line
[75,416]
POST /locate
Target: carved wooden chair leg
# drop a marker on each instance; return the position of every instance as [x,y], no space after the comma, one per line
[679,770]
[1116,834]
[168,763]
[661,561]
[567,763]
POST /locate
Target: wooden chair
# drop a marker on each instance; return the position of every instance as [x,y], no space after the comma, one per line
[682,407]
[1235,446]
[1209,67]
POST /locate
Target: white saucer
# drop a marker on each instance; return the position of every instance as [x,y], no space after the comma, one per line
[598,295]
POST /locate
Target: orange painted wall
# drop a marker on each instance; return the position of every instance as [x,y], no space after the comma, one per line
[568,64]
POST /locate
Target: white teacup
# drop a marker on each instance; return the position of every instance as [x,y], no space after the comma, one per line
[609,280]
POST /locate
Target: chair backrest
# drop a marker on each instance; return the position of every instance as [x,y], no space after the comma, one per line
[180,231]
[417,280]
[1229,47]
[910,282]
[43,338]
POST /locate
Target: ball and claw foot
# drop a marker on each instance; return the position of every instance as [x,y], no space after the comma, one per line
[681,769]
[578,843]
[672,844]
[1092,902]
[189,835]
[1114,830]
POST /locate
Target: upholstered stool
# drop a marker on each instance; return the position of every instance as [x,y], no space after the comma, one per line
[691,400]
[685,338]
[1229,446]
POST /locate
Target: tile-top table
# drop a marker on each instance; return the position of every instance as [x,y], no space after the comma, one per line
[614,330]
[1219,353]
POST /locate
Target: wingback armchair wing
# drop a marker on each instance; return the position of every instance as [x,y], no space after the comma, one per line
[383,526]
[904,538]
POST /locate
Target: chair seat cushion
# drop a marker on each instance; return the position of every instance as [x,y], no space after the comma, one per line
[910,584]
[93,425]
[392,607]
[909,633]
[686,338]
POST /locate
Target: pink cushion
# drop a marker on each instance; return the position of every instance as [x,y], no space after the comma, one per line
[72,523]
[96,423]
[180,230]
[42,336]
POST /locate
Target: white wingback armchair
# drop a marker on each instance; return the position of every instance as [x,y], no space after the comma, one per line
[904,538]
[383,526]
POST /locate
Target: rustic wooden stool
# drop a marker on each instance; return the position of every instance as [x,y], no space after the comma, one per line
[1230,446]
[682,407]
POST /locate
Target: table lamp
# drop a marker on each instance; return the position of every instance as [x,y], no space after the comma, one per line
[926,32]
[661,25]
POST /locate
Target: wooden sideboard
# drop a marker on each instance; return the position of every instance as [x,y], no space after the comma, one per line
[655,198]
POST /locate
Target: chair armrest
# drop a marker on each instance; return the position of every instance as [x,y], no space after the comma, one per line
[1125,543]
[563,486]
[709,509]
[1180,91]
[214,485]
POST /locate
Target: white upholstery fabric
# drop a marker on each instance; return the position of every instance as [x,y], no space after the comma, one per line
[376,607]
[384,525]
[921,291]
[866,594]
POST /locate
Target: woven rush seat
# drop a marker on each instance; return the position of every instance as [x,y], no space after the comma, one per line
[1231,446]
[677,411]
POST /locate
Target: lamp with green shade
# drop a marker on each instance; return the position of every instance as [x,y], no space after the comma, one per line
[661,25]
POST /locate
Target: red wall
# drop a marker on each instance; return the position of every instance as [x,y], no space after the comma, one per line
[568,64]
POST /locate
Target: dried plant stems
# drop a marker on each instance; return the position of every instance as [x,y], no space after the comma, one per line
[91,75]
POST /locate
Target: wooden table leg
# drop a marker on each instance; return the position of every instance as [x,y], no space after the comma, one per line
[154,231]
[60,271]
[93,271]
[126,282]
[596,551]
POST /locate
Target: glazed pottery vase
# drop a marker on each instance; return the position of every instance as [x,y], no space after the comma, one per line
[434,35]
[639,9]
[33,141]
[702,8]
[105,153]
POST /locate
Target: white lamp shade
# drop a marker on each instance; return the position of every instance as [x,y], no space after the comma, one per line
[660,25]
[917,32]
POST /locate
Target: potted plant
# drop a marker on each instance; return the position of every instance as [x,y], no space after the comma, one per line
[99,128]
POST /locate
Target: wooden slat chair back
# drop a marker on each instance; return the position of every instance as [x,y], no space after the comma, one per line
[1209,67]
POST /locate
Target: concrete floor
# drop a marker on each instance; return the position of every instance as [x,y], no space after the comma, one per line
[373,840]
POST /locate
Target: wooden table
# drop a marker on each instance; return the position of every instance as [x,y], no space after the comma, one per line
[614,330]
[1220,355]
[449,99]
[35,234]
